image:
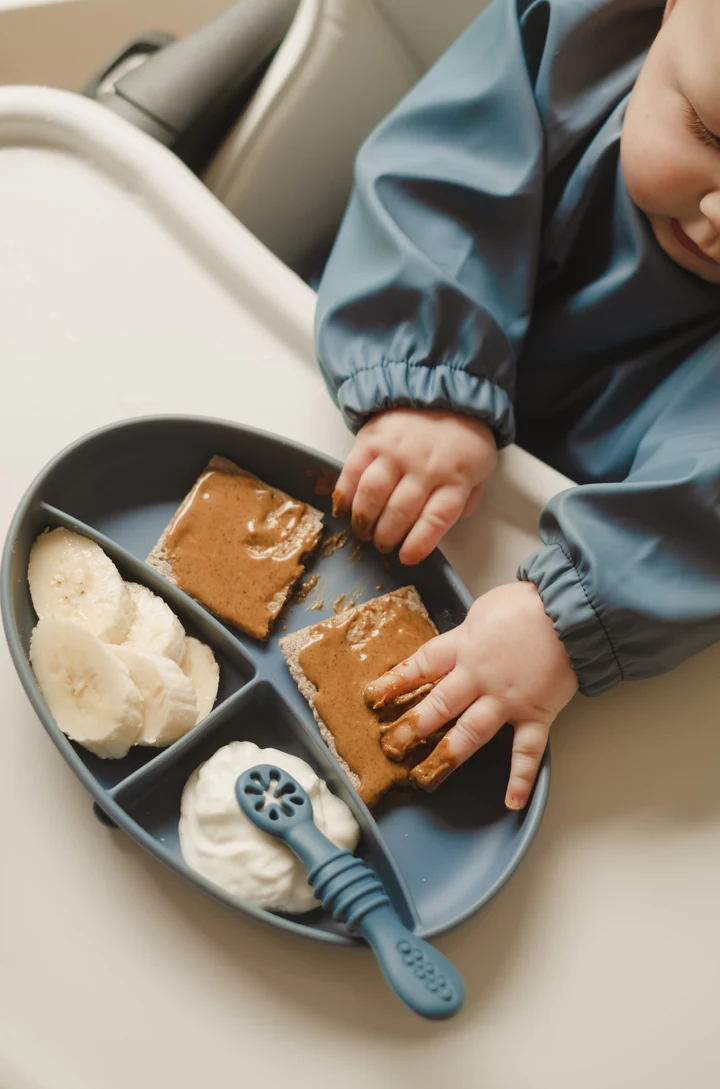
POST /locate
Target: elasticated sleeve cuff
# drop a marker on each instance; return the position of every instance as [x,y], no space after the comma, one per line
[575,620]
[397,384]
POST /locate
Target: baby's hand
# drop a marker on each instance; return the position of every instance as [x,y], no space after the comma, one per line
[504,663]
[411,474]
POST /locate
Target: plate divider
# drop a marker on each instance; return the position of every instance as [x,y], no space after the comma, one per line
[170,755]
[173,595]
[125,792]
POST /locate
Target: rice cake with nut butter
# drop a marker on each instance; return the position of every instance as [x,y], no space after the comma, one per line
[236,545]
[333,661]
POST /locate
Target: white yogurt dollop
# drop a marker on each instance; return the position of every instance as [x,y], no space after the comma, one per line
[219,842]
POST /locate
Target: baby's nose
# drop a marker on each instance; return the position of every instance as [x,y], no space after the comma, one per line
[710,208]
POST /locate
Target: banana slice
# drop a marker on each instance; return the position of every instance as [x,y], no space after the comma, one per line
[87,688]
[200,666]
[169,704]
[71,578]
[155,628]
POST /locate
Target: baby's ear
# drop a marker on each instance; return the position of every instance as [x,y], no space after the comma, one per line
[669,5]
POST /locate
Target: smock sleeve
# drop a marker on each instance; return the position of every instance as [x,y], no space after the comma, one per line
[630,571]
[426,297]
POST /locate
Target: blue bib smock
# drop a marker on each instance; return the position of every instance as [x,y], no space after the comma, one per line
[491,262]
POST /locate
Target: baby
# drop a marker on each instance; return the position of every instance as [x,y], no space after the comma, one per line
[531,254]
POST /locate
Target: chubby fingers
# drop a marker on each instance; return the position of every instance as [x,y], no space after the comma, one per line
[360,457]
[440,513]
[401,513]
[479,720]
[448,699]
[374,488]
[434,659]
[529,744]
[475,727]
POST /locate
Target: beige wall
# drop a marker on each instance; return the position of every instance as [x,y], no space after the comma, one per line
[62,44]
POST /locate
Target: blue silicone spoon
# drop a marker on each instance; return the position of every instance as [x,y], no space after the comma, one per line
[423,978]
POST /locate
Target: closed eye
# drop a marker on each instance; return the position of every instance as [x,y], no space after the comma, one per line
[700,130]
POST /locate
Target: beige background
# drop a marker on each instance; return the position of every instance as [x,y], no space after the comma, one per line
[61,44]
[125,289]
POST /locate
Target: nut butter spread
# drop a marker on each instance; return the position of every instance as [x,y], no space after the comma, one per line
[236,544]
[344,654]
[435,769]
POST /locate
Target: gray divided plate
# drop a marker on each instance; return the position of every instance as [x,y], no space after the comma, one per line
[441,856]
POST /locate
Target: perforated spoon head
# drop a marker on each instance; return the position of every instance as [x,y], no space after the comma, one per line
[272,799]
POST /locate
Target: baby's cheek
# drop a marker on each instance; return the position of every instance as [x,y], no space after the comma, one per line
[662,167]
[656,180]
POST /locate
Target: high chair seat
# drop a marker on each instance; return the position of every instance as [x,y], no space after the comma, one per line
[285,169]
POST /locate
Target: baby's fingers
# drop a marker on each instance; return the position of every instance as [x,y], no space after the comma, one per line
[441,511]
[375,488]
[448,699]
[433,660]
[529,745]
[358,460]
[473,729]
[400,514]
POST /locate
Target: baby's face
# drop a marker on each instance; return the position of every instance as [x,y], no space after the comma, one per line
[671,137]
